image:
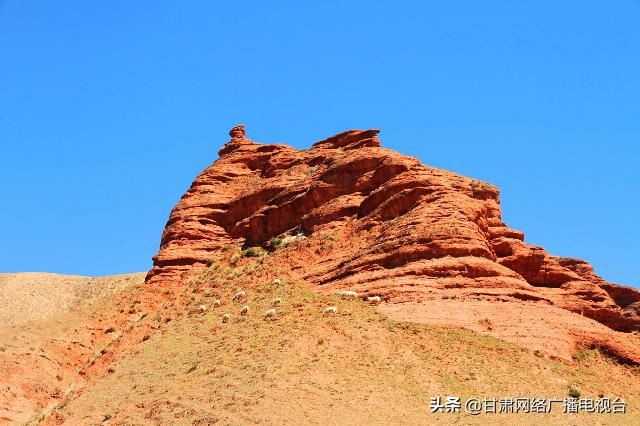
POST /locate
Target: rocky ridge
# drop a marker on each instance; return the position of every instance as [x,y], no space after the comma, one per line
[430,242]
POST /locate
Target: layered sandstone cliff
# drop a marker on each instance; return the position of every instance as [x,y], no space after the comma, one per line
[432,243]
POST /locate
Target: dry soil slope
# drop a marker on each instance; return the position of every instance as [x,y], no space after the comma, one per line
[357,367]
[31,296]
[50,324]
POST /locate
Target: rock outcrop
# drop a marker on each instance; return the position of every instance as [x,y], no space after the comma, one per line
[427,240]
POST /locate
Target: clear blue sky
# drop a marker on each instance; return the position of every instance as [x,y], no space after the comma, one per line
[109,109]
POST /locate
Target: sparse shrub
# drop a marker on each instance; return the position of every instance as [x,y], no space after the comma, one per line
[583,355]
[110,330]
[274,243]
[574,391]
[253,252]
[320,341]
[58,377]
[106,416]
[3,348]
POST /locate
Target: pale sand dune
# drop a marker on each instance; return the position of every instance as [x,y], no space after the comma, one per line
[33,296]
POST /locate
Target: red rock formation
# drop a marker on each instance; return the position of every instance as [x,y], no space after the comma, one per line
[411,233]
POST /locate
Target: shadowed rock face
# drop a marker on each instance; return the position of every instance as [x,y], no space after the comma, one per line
[410,233]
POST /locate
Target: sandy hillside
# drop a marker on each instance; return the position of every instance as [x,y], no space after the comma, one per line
[149,356]
[35,296]
[355,368]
